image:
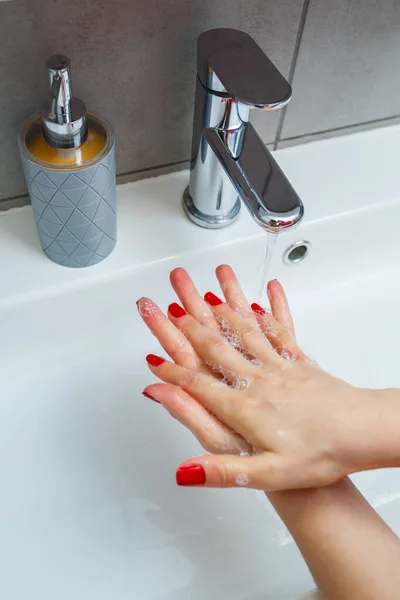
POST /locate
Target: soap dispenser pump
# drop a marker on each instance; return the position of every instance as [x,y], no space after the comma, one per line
[64,120]
[68,156]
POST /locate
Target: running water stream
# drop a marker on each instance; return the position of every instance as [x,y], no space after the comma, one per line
[265,268]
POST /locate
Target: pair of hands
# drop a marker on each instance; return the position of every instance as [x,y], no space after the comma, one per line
[270,418]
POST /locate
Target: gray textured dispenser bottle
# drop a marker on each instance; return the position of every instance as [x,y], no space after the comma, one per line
[69,165]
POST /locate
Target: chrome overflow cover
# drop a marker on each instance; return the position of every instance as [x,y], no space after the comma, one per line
[296,252]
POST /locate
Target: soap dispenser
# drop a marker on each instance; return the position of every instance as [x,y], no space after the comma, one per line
[68,157]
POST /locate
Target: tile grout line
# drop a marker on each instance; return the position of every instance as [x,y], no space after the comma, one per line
[296,52]
[315,134]
[344,128]
[145,170]
[341,128]
[119,175]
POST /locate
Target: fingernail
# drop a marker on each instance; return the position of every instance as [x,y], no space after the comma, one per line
[137,302]
[176,310]
[212,299]
[257,308]
[154,361]
[191,475]
[146,395]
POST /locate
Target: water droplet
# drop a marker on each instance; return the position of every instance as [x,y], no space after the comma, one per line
[284,537]
[242,382]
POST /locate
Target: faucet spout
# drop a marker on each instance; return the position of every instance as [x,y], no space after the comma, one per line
[229,162]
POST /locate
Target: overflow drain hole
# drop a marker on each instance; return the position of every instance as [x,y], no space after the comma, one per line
[296,252]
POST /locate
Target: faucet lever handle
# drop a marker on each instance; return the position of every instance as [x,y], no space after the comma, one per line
[232,65]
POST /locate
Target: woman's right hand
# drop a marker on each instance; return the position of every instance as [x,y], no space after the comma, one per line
[293,424]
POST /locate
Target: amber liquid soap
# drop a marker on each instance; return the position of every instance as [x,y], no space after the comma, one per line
[94,144]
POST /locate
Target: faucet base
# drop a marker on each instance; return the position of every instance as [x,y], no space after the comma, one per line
[208,221]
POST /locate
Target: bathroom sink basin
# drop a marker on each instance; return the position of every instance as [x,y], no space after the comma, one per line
[89,507]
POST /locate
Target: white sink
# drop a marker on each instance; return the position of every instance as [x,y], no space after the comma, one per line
[89,508]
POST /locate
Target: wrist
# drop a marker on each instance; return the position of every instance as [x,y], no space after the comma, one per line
[294,506]
[367,434]
[385,432]
[342,538]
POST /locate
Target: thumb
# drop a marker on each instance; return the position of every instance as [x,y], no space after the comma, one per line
[265,471]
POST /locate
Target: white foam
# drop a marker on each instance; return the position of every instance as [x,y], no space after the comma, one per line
[242,479]
[257,362]
[146,307]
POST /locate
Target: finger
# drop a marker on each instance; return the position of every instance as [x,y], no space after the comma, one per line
[210,346]
[170,337]
[280,306]
[221,400]
[244,334]
[191,299]
[233,293]
[264,471]
[212,434]
[280,339]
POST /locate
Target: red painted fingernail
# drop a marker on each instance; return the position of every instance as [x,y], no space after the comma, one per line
[212,299]
[154,361]
[257,308]
[176,310]
[146,395]
[191,475]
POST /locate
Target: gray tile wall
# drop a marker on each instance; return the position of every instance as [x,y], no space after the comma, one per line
[134,62]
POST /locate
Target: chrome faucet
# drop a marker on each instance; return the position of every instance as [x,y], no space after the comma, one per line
[228,157]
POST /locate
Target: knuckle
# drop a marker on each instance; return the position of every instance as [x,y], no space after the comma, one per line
[187,326]
[213,345]
[207,320]
[210,444]
[223,474]
[270,478]
[185,357]
[249,331]
[190,380]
